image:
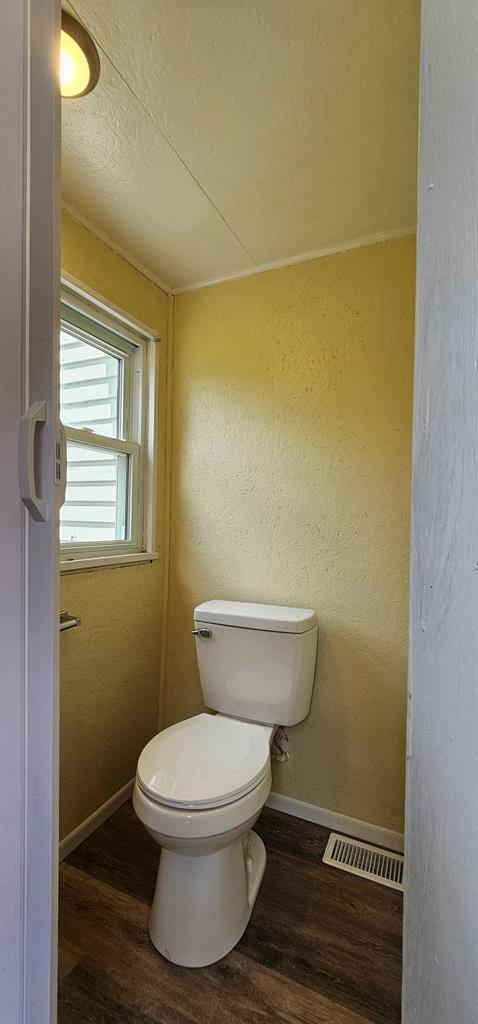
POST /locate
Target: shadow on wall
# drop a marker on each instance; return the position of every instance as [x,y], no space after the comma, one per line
[109,684]
[357,701]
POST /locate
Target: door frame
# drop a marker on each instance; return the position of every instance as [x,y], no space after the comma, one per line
[441,899]
[29,598]
[440,979]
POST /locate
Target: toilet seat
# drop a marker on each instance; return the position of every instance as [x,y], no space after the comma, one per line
[204,762]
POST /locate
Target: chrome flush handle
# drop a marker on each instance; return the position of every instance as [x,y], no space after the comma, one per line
[205,633]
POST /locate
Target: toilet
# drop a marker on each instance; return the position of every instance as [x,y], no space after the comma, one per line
[201,784]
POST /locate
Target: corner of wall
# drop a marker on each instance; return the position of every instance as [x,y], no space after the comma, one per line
[166,512]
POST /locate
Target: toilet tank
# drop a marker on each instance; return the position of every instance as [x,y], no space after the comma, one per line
[256,661]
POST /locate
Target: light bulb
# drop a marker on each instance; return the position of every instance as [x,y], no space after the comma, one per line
[66,67]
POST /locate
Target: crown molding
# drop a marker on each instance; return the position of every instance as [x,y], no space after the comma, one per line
[260,268]
[257,268]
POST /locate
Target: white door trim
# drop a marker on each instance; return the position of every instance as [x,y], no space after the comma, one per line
[440,981]
[29,634]
[12,538]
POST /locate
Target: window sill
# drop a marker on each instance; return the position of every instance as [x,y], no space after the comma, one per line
[86,564]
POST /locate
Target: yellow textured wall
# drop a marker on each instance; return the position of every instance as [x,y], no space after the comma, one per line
[290,484]
[110,666]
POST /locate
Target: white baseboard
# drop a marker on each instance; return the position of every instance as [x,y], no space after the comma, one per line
[70,842]
[337,822]
[297,808]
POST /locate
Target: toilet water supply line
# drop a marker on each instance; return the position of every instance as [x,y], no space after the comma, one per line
[280,745]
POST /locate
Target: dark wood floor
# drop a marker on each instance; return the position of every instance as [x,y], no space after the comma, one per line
[322,947]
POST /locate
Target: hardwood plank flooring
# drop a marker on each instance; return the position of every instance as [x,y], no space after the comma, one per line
[322,946]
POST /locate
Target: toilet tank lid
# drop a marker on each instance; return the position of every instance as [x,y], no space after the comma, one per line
[274,617]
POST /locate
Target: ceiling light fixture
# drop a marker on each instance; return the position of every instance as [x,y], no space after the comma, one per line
[79,61]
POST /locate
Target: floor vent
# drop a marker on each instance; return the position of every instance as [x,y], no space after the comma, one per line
[368,861]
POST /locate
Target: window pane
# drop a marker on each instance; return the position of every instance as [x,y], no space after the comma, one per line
[96,504]
[89,386]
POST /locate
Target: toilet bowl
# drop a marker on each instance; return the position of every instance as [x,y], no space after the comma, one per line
[202,783]
[200,807]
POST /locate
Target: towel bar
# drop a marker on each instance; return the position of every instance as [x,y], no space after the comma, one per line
[68,621]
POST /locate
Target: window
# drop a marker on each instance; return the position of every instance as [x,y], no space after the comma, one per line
[103,406]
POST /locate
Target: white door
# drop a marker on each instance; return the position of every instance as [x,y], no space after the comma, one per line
[441,863]
[29,613]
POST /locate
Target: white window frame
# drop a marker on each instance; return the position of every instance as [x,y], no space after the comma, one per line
[140,344]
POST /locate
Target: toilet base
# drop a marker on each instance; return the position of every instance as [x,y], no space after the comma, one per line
[203,902]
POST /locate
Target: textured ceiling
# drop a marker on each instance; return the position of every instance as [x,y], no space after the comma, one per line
[225,134]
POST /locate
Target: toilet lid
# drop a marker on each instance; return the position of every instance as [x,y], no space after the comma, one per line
[205,761]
